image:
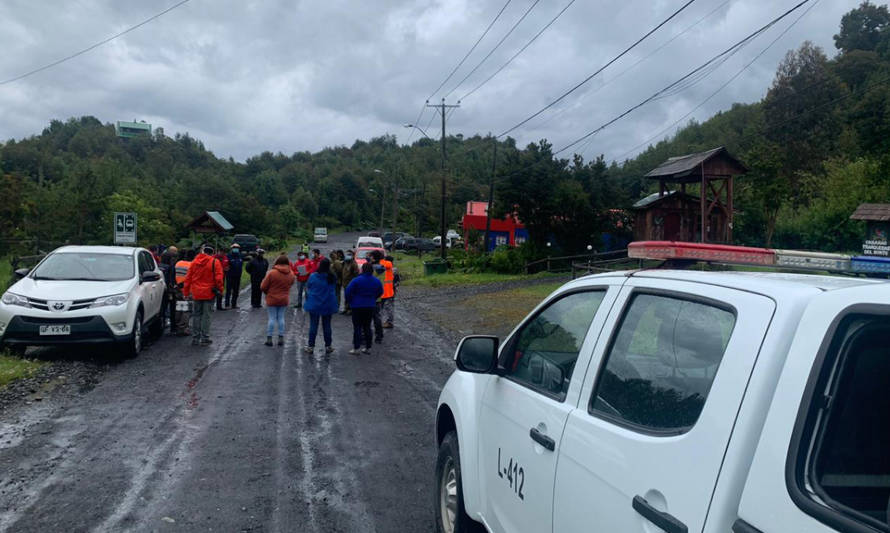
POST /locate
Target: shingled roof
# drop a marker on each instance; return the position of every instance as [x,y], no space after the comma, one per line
[684,165]
[873,212]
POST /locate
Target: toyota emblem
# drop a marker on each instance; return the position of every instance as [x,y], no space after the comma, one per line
[58,306]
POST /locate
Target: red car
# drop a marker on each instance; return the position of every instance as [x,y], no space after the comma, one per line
[361,254]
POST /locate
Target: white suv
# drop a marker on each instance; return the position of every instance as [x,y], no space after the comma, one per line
[85,294]
[675,401]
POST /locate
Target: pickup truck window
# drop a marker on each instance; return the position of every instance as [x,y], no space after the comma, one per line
[849,466]
[542,354]
[661,363]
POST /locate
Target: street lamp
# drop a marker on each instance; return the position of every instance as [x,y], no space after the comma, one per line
[418,128]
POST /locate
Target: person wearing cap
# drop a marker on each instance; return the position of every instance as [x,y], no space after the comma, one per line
[257,268]
[203,282]
[233,276]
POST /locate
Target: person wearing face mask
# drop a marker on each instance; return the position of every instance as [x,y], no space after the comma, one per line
[302,268]
[337,269]
[233,276]
[350,271]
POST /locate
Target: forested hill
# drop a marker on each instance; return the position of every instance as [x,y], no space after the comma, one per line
[817,145]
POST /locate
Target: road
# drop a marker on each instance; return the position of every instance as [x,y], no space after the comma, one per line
[237,436]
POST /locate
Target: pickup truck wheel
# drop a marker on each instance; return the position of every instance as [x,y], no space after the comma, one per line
[134,345]
[451,517]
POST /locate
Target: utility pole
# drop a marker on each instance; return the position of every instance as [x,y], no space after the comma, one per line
[494,159]
[441,109]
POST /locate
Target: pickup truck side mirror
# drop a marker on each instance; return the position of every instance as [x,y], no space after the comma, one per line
[477,354]
[149,275]
[21,273]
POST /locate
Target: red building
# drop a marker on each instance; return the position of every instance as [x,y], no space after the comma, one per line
[503,230]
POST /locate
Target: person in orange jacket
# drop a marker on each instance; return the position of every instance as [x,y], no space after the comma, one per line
[203,284]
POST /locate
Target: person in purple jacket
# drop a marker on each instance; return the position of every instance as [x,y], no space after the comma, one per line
[321,303]
[361,296]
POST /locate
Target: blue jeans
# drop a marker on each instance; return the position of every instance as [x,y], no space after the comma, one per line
[276,315]
[301,288]
[313,328]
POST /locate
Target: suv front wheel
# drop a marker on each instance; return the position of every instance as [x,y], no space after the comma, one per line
[451,517]
[134,345]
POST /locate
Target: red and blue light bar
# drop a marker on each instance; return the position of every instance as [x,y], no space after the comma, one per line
[746,255]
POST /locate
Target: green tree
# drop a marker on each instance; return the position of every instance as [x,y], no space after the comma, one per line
[862,28]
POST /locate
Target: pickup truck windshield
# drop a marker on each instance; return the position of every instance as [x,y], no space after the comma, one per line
[85,267]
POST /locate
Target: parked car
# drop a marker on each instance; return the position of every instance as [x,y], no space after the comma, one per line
[369,242]
[450,242]
[424,245]
[389,239]
[361,254]
[401,242]
[320,235]
[85,294]
[666,400]
[247,242]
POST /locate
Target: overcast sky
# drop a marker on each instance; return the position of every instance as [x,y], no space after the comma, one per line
[290,75]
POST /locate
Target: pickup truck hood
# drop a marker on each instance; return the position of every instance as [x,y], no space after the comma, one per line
[69,290]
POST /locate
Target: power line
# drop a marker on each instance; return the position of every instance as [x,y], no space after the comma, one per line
[89,48]
[476,88]
[588,78]
[692,74]
[499,43]
[730,80]
[641,60]
[479,40]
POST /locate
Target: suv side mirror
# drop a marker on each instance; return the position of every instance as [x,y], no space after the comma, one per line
[21,273]
[477,354]
[149,275]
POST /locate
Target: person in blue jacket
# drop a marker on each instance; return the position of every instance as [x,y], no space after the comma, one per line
[233,277]
[321,303]
[361,296]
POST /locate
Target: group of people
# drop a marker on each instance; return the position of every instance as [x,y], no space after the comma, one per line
[198,281]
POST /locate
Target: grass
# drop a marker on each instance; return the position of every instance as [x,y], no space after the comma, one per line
[411,270]
[13,368]
[500,311]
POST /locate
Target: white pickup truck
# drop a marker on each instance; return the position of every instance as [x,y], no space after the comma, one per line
[675,400]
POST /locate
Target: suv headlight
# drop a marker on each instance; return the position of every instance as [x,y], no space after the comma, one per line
[14,299]
[117,299]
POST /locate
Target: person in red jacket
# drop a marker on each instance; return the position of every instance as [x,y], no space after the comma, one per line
[303,268]
[203,284]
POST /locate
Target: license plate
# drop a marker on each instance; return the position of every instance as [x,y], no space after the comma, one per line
[184,306]
[55,330]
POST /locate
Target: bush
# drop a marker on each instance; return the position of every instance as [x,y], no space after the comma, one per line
[507,260]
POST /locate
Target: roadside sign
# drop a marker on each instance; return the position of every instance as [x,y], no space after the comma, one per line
[125,228]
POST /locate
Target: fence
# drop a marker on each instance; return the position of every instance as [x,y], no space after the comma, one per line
[566,263]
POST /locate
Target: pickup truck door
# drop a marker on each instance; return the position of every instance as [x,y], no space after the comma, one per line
[523,412]
[822,462]
[643,451]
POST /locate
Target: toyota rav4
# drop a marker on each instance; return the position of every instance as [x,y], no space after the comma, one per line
[84,294]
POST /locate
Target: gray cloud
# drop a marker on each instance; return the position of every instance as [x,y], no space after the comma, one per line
[248,76]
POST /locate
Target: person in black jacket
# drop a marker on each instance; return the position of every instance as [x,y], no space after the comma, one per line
[257,268]
[168,307]
[233,277]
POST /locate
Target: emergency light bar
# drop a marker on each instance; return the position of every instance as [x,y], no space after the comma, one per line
[717,253]
[813,260]
[744,255]
[871,264]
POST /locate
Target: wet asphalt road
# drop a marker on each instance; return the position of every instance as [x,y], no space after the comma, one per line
[237,436]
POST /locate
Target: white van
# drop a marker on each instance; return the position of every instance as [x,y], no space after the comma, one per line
[321,235]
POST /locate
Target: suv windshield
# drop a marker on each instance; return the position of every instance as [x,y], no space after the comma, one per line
[85,266]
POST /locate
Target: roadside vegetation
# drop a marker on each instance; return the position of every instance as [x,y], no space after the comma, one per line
[13,367]
[506,308]
[464,269]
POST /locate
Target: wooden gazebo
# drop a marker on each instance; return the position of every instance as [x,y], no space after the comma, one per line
[676,215]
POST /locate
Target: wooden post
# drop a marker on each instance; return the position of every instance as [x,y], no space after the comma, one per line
[704,191]
[729,202]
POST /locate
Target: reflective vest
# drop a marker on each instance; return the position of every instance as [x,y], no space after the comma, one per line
[182,268]
[388,291]
[305,249]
